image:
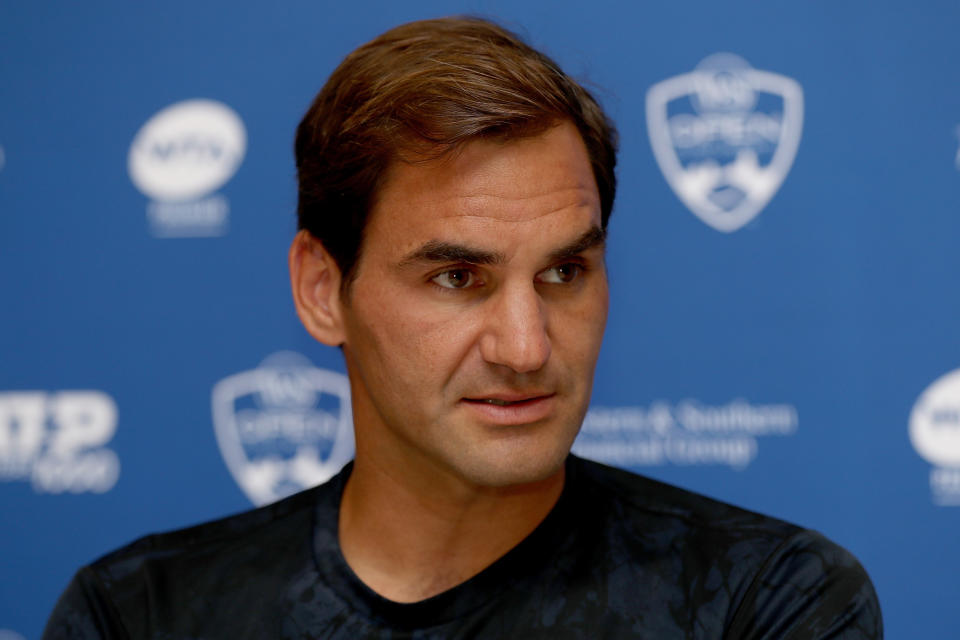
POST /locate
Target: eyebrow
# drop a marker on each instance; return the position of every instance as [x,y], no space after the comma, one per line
[594,237]
[437,251]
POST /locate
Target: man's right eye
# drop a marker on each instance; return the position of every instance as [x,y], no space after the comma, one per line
[455,279]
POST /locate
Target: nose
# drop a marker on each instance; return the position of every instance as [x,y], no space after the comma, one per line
[515,334]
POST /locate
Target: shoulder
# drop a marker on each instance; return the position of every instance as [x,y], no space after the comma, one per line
[776,578]
[809,587]
[267,521]
[165,576]
[671,508]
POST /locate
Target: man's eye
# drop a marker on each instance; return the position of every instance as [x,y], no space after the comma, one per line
[562,273]
[455,279]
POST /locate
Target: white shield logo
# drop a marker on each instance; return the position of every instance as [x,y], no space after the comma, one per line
[283,426]
[725,136]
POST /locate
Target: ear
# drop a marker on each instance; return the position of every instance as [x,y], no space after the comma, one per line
[315,279]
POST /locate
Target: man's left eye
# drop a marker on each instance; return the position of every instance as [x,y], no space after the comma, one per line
[561,274]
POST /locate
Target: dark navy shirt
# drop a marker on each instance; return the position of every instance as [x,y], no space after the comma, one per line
[619,556]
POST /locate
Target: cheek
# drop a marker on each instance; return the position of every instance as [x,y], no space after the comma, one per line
[442,339]
[584,323]
[410,337]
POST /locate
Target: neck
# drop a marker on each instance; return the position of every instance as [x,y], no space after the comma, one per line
[410,538]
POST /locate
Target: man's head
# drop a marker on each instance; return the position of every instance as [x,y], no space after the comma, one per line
[420,91]
[455,189]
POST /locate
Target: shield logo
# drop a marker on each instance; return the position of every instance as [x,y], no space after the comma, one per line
[283,426]
[725,136]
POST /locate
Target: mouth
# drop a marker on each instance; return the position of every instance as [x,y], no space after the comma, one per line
[499,403]
[509,401]
[512,408]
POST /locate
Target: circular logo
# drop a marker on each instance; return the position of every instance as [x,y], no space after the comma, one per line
[935,422]
[721,85]
[285,382]
[187,150]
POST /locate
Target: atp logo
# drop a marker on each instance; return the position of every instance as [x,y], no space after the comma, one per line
[935,434]
[56,441]
[725,136]
[284,426]
[182,154]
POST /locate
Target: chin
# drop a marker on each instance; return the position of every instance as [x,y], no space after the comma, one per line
[515,468]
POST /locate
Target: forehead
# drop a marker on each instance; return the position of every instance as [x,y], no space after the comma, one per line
[487,189]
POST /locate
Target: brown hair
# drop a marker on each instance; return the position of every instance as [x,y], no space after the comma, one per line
[422,90]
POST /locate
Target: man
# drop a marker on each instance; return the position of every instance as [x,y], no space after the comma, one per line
[455,188]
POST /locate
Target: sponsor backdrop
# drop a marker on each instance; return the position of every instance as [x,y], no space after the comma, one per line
[784,258]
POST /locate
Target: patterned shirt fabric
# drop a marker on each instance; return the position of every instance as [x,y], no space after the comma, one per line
[619,556]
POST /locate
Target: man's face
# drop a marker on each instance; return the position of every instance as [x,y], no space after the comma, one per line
[475,320]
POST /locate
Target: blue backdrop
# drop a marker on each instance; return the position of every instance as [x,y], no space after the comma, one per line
[783,256]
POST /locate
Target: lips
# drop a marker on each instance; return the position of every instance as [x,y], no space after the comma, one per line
[502,399]
[512,408]
[498,402]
